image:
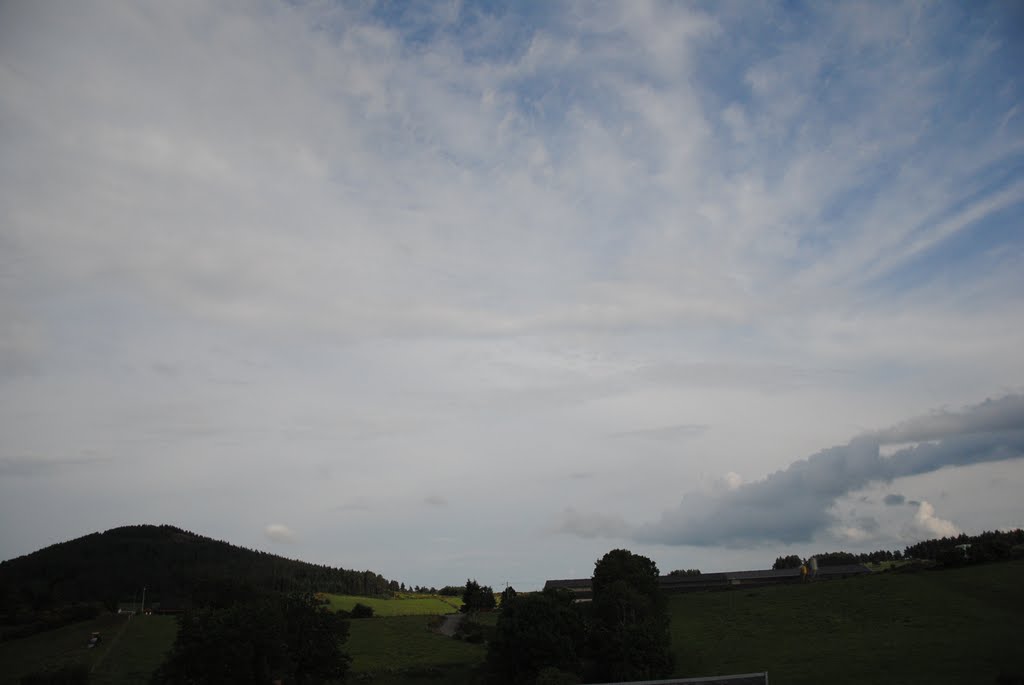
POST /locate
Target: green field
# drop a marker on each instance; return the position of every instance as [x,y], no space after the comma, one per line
[400,642]
[139,651]
[402,605]
[955,626]
[129,652]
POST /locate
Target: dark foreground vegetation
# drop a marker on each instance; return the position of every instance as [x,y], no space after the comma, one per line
[287,638]
[623,634]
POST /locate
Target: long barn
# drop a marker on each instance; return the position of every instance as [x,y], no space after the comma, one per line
[580,587]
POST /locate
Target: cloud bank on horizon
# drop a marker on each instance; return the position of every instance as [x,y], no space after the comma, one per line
[795,504]
[414,278]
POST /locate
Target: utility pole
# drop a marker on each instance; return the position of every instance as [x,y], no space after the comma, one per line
[143,609]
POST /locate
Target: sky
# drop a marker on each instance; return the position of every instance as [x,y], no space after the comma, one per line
[454,289]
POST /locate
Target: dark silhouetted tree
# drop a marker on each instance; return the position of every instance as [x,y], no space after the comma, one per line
[288,638]
[791,561]
[535,633]
[476,597]
[507,595]
[629,635]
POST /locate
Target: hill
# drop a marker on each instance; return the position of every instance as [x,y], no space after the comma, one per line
[176,566]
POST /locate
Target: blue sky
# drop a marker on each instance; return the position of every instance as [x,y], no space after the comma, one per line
[463,289]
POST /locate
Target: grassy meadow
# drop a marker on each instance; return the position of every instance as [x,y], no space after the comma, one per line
[401,643]
[953,626]
[139,651]
[400,605]
[130,651]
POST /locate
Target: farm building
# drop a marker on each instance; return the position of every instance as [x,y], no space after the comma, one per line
[580,587]
[742,679]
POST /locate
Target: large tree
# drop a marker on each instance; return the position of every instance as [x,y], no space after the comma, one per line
[476,597]
[541,631]
[629,633]
[289,638]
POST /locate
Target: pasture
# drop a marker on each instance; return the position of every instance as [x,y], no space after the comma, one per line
[129,652]
[952,626]
[400,648]
[400,605]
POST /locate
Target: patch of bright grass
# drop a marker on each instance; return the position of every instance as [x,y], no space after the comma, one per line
[408,605]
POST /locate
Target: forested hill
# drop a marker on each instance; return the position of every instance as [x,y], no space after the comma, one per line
[174,565]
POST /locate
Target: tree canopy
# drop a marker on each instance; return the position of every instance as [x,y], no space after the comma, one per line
[476,597]
[536,632]
[629,634]
[280,637]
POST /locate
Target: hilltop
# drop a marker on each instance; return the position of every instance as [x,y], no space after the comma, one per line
[175,565]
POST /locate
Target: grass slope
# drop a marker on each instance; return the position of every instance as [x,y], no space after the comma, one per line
[404,605]
[956,626]
[139,651]
[394,649]
[130,650]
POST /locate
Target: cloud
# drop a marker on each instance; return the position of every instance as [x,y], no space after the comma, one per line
[30,466]
[926,525]
[278,532]
[436,501]
[894,500]
[796,504]
[859,530]
[730,481]
[382,239]
[668,433]
[591,525]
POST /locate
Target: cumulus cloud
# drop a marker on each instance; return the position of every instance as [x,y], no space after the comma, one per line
[859,530]
[730,481]
[278,532]
[926,524]
[796,504]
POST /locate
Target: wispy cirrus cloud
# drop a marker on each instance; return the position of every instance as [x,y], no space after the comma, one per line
[301,247]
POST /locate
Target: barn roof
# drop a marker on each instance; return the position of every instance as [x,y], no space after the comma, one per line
[741,679]
[681,582]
